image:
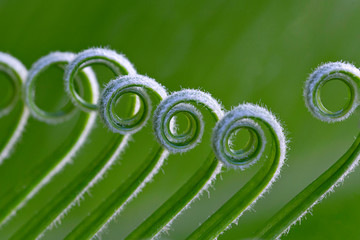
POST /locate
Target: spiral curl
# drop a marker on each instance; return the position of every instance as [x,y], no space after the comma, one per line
[17,73]
[95,172]
[342,71]
[178,102]
[242,117]
[163,120]
[60,59]
[135,84]
[140,86]
[280,223]
[75,142]
[116,62]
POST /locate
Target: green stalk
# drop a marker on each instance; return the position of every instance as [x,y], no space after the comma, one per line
[179,102]
[237,204]
[12,201]
[242,117]
[112,206]
[14,134]
[295,209]
[70,194]
[17,73]
[75,191]
[95,171]
[15,201]
[165,214]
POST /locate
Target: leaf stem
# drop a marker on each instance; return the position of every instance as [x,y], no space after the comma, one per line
[71,194]
[13,201]
[113,205]
[96,170]
[97,221]
[295,209]
[301,204]
[179,102]
[16,201]
[242,117]
[17,72]
[178,202]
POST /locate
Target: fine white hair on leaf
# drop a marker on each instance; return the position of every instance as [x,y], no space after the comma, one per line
[58,168]
[60,59]
[99,176]
[244,116]
[222,135]
[117,62]
[71,152]
[134,83]
[338,182]
[241,117]
[178,102]
[343,71]
[148,179]
[349,74]
[206,186]
[130,83]
[17,73]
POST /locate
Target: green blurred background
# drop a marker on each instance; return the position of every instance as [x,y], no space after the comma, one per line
[253,51]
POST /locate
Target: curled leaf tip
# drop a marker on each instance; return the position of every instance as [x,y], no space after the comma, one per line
[240,118]
[60,59]
[17,73]
[116,62]
[342,71]
[135,84]
[176,103]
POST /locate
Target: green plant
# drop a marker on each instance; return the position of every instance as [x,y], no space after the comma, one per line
[70,195]
[244,116]
[112,206]
[63,156]
[17,72]
[83,92]
[176,103]
[301,204]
